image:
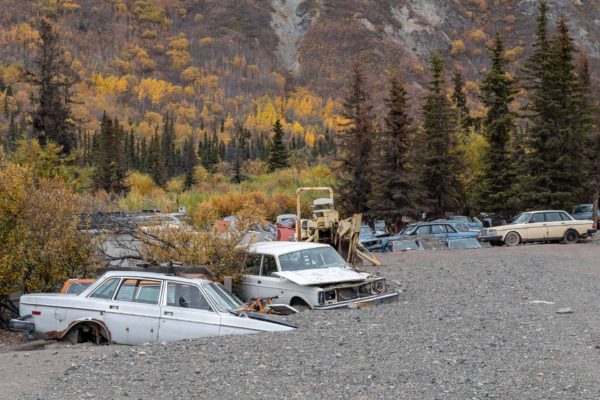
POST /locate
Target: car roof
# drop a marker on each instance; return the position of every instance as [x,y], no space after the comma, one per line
[278,248]
[541,211]
[150,275]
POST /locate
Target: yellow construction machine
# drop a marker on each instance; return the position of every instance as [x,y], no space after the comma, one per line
[325,226]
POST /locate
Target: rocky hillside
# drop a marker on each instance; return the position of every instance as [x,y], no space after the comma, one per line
[210,60]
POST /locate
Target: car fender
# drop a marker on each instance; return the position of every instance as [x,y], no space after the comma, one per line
[77,322]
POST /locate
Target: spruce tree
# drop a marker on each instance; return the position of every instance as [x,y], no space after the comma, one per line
[109,173]
[592,148]
[54,80]
[496,184]
[168,146]
[355,146]
[156,164]
[189,162]
[559,122]
[279,156]
[459,100]
[12,135]
[392,173]
[440,161]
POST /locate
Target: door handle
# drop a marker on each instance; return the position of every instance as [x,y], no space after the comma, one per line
[168,313]
[114,307]
[259,282]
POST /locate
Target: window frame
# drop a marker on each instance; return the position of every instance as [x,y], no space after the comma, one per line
[160,290]
[206,298]
[553,212]
[428,227]
[532,219]
[262,265]
[118,279]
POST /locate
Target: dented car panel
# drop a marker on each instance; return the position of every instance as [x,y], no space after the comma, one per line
[309,274]
[135,308]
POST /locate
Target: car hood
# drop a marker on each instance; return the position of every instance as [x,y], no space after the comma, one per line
[321,276]
[509,226]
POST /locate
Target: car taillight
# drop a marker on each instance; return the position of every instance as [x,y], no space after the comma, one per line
[36,313]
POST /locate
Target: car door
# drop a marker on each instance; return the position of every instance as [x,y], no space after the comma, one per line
[270,285]
[452,233]
[536,228]
[249,286]
[439,231]
[555,225]
[132,316]
[185,313]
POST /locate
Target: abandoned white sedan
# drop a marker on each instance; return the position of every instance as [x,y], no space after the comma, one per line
[139,307]
[539,226]
[309,275]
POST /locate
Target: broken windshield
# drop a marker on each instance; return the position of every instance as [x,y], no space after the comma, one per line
[320,257]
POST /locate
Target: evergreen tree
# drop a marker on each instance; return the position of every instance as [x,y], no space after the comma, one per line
[279,156]
[109,173]
[168,146]
[189,162]
[592,148]
[440,161]
[54,80]
[355,146]
[498,91]
[156,164]
[559,122]
[396,180]
[12,135]
[459,100]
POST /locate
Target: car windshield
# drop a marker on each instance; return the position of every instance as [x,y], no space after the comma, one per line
[320,257]
[225,300]
[585,208]
[522,218]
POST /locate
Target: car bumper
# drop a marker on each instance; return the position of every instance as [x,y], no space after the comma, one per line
[389,297]
[21,325]
[490,239]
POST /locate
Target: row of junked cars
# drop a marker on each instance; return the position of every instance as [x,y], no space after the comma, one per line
[527,227]
[137,307]
[127,307]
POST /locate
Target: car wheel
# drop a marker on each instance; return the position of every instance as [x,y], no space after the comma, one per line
[571,237]
[512,239]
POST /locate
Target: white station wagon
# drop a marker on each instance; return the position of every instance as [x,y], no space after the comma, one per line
[139,307]
[309,275]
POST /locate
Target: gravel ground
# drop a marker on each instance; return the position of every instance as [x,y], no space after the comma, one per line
[470,324]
